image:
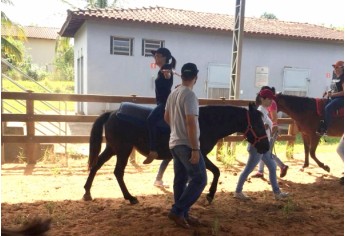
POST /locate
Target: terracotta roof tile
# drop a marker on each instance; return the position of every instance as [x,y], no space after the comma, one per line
[33,32]
[201,20]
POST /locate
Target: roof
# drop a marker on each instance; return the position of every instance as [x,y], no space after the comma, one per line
[199,20]
[32,32]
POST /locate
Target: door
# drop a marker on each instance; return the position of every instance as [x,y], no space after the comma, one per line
[296,81]
[218,81]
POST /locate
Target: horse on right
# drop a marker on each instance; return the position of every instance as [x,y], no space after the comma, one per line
[307,113]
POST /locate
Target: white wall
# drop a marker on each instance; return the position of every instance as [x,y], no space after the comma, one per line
[277,54]
[108,74]
[42,52]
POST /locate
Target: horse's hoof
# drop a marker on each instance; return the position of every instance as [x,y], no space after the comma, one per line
[302,169]
[209,198]
[133,201]
[326,168]
[87,197]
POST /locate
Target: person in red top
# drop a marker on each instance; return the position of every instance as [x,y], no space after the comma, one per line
[272,109]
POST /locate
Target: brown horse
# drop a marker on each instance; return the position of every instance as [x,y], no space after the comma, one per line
[304,111]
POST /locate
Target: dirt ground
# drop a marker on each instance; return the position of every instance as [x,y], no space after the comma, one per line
[315,207]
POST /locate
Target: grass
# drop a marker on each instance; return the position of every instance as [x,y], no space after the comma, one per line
[227,157]
[19,107]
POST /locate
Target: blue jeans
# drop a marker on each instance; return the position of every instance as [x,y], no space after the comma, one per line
[331,107]
[185,195]
[162,168]
[253,160]
[275,158]
[155,116]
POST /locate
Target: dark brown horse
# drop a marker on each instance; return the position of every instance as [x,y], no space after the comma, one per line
[126,128]
[304,111]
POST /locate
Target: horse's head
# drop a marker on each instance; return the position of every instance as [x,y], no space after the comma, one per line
[280,101]
[256,133]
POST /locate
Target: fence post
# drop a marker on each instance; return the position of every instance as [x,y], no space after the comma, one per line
[30,131]
[290,144]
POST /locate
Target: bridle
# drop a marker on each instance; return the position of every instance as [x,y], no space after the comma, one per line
[250,129]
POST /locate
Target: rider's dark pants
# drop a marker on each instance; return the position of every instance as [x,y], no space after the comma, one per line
[331,107]
[155,116]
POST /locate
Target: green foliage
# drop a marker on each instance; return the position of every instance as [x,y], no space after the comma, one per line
[269,16]
[64,60]
[9,49]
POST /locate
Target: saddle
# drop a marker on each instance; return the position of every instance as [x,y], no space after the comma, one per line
[320,108]
[137,115]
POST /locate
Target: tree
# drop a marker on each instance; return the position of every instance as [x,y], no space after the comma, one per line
[270,16]
[9,49]
[100,3]
[64,61]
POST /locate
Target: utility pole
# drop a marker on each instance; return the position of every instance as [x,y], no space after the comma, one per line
[237,50]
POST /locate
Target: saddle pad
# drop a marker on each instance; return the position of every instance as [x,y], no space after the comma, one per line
[137,115]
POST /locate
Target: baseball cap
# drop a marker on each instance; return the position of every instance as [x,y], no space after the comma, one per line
[189,70]
[338,64]
[163,51]
[266,93]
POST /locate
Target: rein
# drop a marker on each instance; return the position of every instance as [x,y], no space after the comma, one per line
[250,129]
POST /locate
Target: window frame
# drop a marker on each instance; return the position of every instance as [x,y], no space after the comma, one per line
[150,44]
[118,47]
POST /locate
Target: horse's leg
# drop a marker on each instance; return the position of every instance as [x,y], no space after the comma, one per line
[121,163]
[314,141]
[216,173]
[306,143]
[104,157]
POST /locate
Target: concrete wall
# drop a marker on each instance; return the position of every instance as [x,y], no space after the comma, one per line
[42,52]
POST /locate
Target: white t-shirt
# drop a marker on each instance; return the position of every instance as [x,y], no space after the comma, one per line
[181,102]
[266,119]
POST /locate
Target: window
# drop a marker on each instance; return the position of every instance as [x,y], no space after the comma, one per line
[150,44]
[121,46]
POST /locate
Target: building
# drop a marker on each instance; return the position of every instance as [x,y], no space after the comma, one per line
[112,52]
[39,44]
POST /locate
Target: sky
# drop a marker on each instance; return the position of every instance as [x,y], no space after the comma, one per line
[53,12]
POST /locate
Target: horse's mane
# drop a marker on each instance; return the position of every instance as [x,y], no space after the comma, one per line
[298,104]
[219,115]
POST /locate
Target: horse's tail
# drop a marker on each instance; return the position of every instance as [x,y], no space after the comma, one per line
[96,138]
[37,226]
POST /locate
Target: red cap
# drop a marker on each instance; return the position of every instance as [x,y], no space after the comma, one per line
[266,93]
[338,64]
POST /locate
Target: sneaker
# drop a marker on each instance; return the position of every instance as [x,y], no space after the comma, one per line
[258,175]
[281,196]
[152,155]
[160,184]
[283,171]
[241,196]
